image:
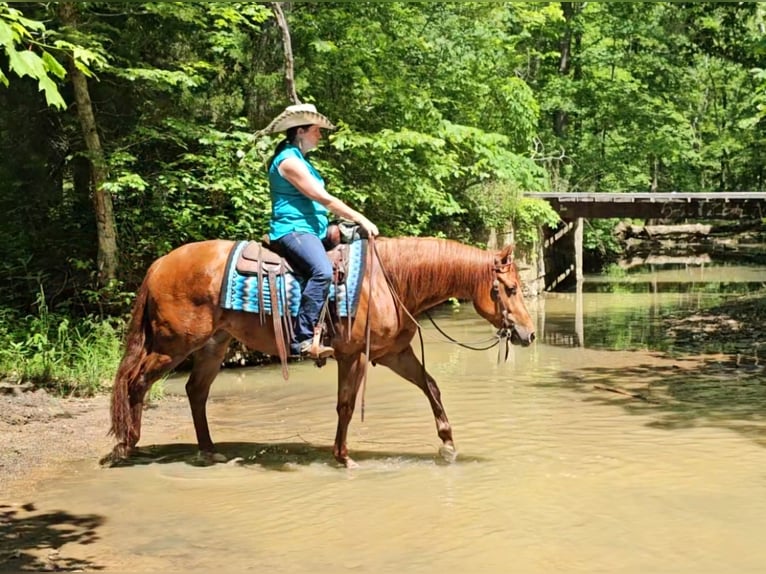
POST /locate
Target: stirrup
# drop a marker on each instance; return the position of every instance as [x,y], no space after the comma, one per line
[308,349]
[317,350]
[321,352]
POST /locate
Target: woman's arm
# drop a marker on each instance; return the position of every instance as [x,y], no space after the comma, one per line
[296,172]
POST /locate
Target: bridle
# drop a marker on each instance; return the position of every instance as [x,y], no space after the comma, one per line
[507,324]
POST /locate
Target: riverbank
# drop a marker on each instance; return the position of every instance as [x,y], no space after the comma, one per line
[39,431]
[734,329]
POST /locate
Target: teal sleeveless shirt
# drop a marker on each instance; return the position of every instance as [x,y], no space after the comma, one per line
[290,209]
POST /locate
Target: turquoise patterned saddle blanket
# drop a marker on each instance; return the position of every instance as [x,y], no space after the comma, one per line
[246,289]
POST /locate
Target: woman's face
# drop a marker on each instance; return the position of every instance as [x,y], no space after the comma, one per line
[310,138]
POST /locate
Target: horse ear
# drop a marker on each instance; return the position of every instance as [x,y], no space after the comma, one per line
[506,254]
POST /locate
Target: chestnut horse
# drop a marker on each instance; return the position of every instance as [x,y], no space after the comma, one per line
[177,314]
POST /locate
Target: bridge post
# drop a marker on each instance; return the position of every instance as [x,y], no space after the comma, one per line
[563,254]
[558,250]
[579,225]
[579,228]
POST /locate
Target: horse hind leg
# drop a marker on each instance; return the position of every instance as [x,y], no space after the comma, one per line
[128,430]
[406,365]
[158,365]
[207,364]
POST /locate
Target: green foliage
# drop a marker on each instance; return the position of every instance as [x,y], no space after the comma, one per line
[528,216]
[17,30]
[419,183]
[501,206]
[615,271]
[599,237]
[655,98]
[215,187]
[402,65]
[51,350]
[42,49]
[448,111]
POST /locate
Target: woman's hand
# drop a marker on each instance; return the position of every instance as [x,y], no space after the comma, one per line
[368,226]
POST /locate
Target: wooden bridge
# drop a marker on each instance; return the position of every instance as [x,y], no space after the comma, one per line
[560,258]
[667,206]
[555,261]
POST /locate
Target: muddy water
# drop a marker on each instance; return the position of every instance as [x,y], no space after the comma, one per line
[558,469]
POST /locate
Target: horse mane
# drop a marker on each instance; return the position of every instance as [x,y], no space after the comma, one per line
[422,268]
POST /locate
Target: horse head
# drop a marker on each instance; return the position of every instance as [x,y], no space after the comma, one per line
[502,302]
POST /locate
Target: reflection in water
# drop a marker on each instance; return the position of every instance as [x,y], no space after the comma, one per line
[630,311]
[554,473]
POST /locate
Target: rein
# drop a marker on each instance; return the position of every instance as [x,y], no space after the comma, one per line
[372,250]
[495,339]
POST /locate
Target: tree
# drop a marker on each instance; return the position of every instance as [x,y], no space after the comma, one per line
[106,230]
[431,105]
[447,111]
[657,98]
[288,49]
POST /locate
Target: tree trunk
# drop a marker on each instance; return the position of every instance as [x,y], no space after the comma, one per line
[571,11]
[107,255]
[292,95]
[561,120]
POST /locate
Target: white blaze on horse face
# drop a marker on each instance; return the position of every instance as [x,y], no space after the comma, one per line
[512,308]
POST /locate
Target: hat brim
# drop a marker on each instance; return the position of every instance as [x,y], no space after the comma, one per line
[290,119]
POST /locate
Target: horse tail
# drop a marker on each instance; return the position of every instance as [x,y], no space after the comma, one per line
[129,371]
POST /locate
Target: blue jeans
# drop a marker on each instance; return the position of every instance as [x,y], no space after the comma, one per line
[308,257]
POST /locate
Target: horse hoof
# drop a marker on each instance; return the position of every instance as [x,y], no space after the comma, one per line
[208,458]
[346,462]
[120,453]
[218,457]
[448,453]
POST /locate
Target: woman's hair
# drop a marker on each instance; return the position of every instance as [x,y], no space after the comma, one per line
[290,136]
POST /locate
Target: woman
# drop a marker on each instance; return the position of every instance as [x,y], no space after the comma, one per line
[299,216]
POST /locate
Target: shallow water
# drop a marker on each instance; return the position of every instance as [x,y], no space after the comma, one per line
[556,471]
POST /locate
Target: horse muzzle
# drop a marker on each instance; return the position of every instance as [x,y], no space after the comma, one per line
[517,336]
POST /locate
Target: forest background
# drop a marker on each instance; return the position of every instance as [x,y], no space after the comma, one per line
[126,129]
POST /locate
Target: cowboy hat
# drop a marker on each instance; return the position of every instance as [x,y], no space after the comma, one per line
[297,115]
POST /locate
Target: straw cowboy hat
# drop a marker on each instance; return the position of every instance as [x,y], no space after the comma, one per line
[296,115]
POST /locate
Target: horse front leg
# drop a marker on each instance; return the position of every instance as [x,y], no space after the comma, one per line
[350,373]
[406,365]
[207,364]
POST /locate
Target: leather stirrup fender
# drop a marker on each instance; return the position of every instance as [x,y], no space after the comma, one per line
[279,335]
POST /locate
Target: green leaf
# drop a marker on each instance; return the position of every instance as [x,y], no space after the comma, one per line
[53,66]
[17,64]
[32,64]
[6,35]
[52,94]
[29,24]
